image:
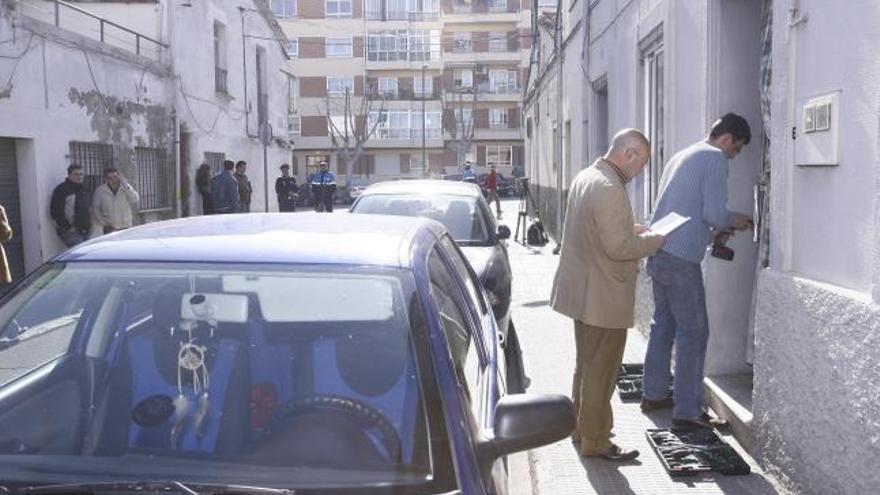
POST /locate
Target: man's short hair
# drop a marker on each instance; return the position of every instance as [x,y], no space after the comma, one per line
[285,166]
[228,165]
[240,163]
[110,170]
[626,138]
[72,167]
[323,162]
[733,124]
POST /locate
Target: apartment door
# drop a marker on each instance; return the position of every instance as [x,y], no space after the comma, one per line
[735,70]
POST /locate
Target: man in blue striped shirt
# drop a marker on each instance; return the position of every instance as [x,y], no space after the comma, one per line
[694,184]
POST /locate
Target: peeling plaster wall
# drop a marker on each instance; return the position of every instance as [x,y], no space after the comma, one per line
[64,91]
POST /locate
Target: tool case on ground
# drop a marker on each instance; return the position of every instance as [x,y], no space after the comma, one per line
[629,381]
[687,452]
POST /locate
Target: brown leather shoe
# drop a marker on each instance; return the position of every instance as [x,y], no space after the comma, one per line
[703,421]
[616,453]
[649,405]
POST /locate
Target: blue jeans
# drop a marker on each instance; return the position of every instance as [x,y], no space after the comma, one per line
[680,318]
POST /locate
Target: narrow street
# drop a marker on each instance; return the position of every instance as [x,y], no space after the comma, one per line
[548,349]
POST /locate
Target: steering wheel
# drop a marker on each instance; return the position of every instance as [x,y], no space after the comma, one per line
[363,415]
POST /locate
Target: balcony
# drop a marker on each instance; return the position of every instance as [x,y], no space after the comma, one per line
[91,25]
[467,17]
[520,56]
[401,15]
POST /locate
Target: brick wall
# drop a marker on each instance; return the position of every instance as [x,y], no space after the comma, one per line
[513,117]
[313,126]
[310,9]
[313,87]
[312,47]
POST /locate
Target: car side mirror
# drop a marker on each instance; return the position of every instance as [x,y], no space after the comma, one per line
[503,232]
[527,421]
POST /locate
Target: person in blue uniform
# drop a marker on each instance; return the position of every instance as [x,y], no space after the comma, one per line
[323,184]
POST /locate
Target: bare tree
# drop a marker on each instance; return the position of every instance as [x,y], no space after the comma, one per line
[460,106]
[350,125]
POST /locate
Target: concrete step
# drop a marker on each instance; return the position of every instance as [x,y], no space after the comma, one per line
[730,396]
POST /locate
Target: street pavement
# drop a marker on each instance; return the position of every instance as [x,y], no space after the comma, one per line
[548,353]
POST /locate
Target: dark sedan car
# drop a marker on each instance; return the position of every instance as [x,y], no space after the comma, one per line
[262,353]
[462,209]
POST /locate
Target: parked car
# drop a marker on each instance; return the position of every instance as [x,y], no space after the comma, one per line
[354,190]
[321,354]
[462,209]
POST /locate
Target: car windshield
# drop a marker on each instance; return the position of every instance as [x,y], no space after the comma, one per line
[461,215]
[282,376]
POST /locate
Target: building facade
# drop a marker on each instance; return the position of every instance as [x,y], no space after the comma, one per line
[792,358]
[409,88]
[128,85]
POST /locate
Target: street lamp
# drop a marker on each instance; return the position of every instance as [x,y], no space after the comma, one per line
[424,119]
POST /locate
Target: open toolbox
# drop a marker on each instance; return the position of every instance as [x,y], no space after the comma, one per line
[687,452]
[629,381]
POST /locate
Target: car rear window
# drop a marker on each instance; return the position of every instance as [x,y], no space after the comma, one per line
[461,215]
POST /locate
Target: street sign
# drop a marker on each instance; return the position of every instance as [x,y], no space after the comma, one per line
[266,133]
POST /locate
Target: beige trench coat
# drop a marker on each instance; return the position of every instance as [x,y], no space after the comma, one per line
[596,278]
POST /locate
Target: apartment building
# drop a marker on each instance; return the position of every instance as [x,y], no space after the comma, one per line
[405,88]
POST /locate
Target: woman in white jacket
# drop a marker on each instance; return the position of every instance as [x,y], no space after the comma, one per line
[112,204]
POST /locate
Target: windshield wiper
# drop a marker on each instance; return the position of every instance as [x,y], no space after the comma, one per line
[152,486]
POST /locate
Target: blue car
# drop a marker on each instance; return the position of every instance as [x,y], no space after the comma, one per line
[261,353]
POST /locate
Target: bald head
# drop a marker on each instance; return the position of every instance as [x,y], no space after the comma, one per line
[629,150]
[629,138]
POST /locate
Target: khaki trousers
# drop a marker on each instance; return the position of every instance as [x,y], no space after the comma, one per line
[599,354]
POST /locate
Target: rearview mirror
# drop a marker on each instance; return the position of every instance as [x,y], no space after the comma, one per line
[503,232]
[526,421]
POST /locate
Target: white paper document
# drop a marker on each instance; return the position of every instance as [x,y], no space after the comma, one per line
[667,224]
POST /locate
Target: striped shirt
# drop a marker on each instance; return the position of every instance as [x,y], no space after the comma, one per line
[624,179]
[694,184]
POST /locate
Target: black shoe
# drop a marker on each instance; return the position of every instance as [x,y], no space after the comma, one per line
[653,405]
[703,421]
[616,453]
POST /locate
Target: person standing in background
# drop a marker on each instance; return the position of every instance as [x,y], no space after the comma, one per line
[244,187]
[5,236]
[286,189]
[203,185]
[112,204]
[69,207]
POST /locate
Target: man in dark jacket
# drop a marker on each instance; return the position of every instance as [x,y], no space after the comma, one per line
[286,189]
[224,190]
[69,207]
[244,187]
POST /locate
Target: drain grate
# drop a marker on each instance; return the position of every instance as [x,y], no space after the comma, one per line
[687,452]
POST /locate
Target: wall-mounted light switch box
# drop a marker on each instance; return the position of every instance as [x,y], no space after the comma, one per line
[818,142]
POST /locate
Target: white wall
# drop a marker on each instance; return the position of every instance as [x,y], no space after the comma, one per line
[817,413]
[219,123]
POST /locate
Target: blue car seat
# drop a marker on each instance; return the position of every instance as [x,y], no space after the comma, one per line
[144,389]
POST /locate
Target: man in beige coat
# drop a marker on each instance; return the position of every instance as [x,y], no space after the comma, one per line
[5,236]
[112,204]
[595,283]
